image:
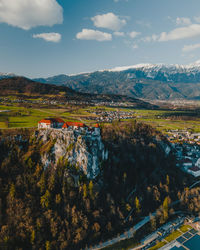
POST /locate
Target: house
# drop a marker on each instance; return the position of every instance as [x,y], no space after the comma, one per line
[198,163]
[82,127]
[74,125]
[96,128]
[194,170]
[51,123]
[187,162]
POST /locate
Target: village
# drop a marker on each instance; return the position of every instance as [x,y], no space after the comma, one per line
[187,150]
[92,102]
[109,116]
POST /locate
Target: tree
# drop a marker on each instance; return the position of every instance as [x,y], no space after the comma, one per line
[137,205]
[48,245]
[91,189]
[42,183]
[165,208]
[58,199]
[51,182]
[153,222]
[167,180]
[84,191]
[124,177]
[32,237]
[12,191]
[45,199]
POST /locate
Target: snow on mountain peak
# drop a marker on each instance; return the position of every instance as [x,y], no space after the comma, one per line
[169,68]
[7,74]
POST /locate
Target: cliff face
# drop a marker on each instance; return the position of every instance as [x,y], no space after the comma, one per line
[84,150]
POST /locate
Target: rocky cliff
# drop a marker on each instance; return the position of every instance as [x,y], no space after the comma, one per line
[84,150]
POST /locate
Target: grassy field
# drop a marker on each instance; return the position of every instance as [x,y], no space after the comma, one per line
[185,228]
[160,119]
[157,246]
[173,236]
[124,244]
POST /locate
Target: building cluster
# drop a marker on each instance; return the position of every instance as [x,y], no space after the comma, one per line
[180,136]
[58,123]
[152,239]
[109,116]
[30,101]
[187,148]
[91,102]
[188,158]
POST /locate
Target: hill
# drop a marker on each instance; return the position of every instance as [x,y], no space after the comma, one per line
[26,88]
[53,205]
[147,81]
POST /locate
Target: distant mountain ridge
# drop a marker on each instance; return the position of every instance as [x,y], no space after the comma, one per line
[143,81]
[6,75]
[26,88]
[148,81]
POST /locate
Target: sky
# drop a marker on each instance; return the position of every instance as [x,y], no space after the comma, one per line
[41,38]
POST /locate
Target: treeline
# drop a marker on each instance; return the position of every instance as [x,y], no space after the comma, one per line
[59,208]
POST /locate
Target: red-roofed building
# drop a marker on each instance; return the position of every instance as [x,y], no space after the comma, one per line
[75,125]
[51,123]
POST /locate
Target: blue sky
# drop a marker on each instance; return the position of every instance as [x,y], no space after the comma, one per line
[49,37]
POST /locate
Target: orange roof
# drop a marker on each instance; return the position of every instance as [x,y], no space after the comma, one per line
[46,121]
[51,120]
[65,125]
[77,124]
[96,125]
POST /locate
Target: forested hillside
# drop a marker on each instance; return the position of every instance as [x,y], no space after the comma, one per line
[57,207]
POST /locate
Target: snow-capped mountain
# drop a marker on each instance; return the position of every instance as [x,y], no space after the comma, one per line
[6,75]
[148,81]
[194,67]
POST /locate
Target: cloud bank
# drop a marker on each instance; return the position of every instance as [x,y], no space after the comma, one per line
[27,14]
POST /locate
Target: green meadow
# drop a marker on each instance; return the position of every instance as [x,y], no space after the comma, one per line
[163,120]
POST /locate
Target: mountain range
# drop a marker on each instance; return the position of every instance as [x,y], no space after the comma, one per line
[144,81]
[147,81]
[25,88]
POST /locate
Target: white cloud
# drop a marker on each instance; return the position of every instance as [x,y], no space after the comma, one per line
[183,21]
[197,19]
[27,14]
[192,30]
[89,34]
[134,34]
[188,48]
[49,37]
[118,33]
[108,21]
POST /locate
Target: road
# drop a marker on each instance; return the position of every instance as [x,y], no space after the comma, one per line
[126,235]
[129,234]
